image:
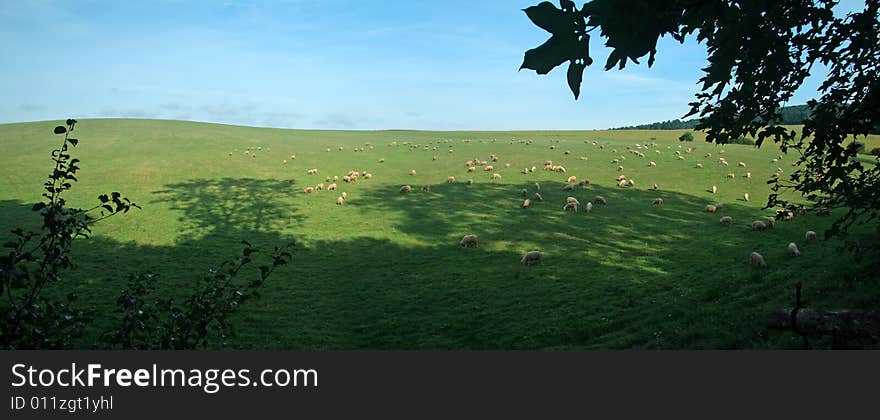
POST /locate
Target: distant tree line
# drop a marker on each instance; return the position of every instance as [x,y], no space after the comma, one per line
[789,115]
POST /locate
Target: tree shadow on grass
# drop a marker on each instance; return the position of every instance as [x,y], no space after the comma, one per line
[232,204]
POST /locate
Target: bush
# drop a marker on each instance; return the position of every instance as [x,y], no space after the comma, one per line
[743,140]
[875,151]
[687,136]
[858,146]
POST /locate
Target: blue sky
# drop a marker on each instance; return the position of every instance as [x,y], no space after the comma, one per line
[364,64]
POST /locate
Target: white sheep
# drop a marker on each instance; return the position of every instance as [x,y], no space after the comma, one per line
[759,225]
[468,240]
[405,189]
[340,201]
[746,196]
[714,189]
[532,257]
[589,207]
[726,220]
[758,260]
[810,236]
[538,197]
[526,203]
[570,206]
[793,249]
[658,201]
[600,200]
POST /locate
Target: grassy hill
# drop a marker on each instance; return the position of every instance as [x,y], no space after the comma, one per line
[385,270]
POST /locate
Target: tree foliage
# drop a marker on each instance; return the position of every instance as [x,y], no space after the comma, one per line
[759,53]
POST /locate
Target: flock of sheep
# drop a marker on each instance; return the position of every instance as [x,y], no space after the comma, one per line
[571,183]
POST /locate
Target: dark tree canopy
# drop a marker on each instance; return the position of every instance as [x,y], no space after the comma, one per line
[759,53]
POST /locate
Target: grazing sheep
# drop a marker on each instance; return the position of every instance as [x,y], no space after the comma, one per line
[327,179]
[382,160]
[570,206]
[489,168]
[793,249]
[621,178]
[584,183]
[346,178]
[726,220]
[656,186]
[524,192]
[506,165]
[470,182]
[631,183]
[405,189]
[532,257]
[344,195]
[468,240]
[652,164]
[619,168]
[450,179]
[571,179]
[560,169]
[600,200]
[748,174]
[538,197]
[658,202]
[331,187]
[741,164]
[368,176]
[312,171]
[526,203]
[426,188]
[335,178]
[731,175]
[699,166]
[589,207]
[319,187]
[412,172]
[496,176]
[711,209]
[309,190]
[525,171]
[568,187]
[771,222]
[572,200]
[714,189]
[471,169]
[340,200]
[533,168]
[759,225]
[746,196]
[758,260]
[622,184]
[810,236]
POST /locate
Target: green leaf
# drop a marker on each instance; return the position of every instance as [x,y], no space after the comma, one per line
[550,54]
[546,16]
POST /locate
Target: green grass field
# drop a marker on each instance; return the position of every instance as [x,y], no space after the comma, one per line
[385,271]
